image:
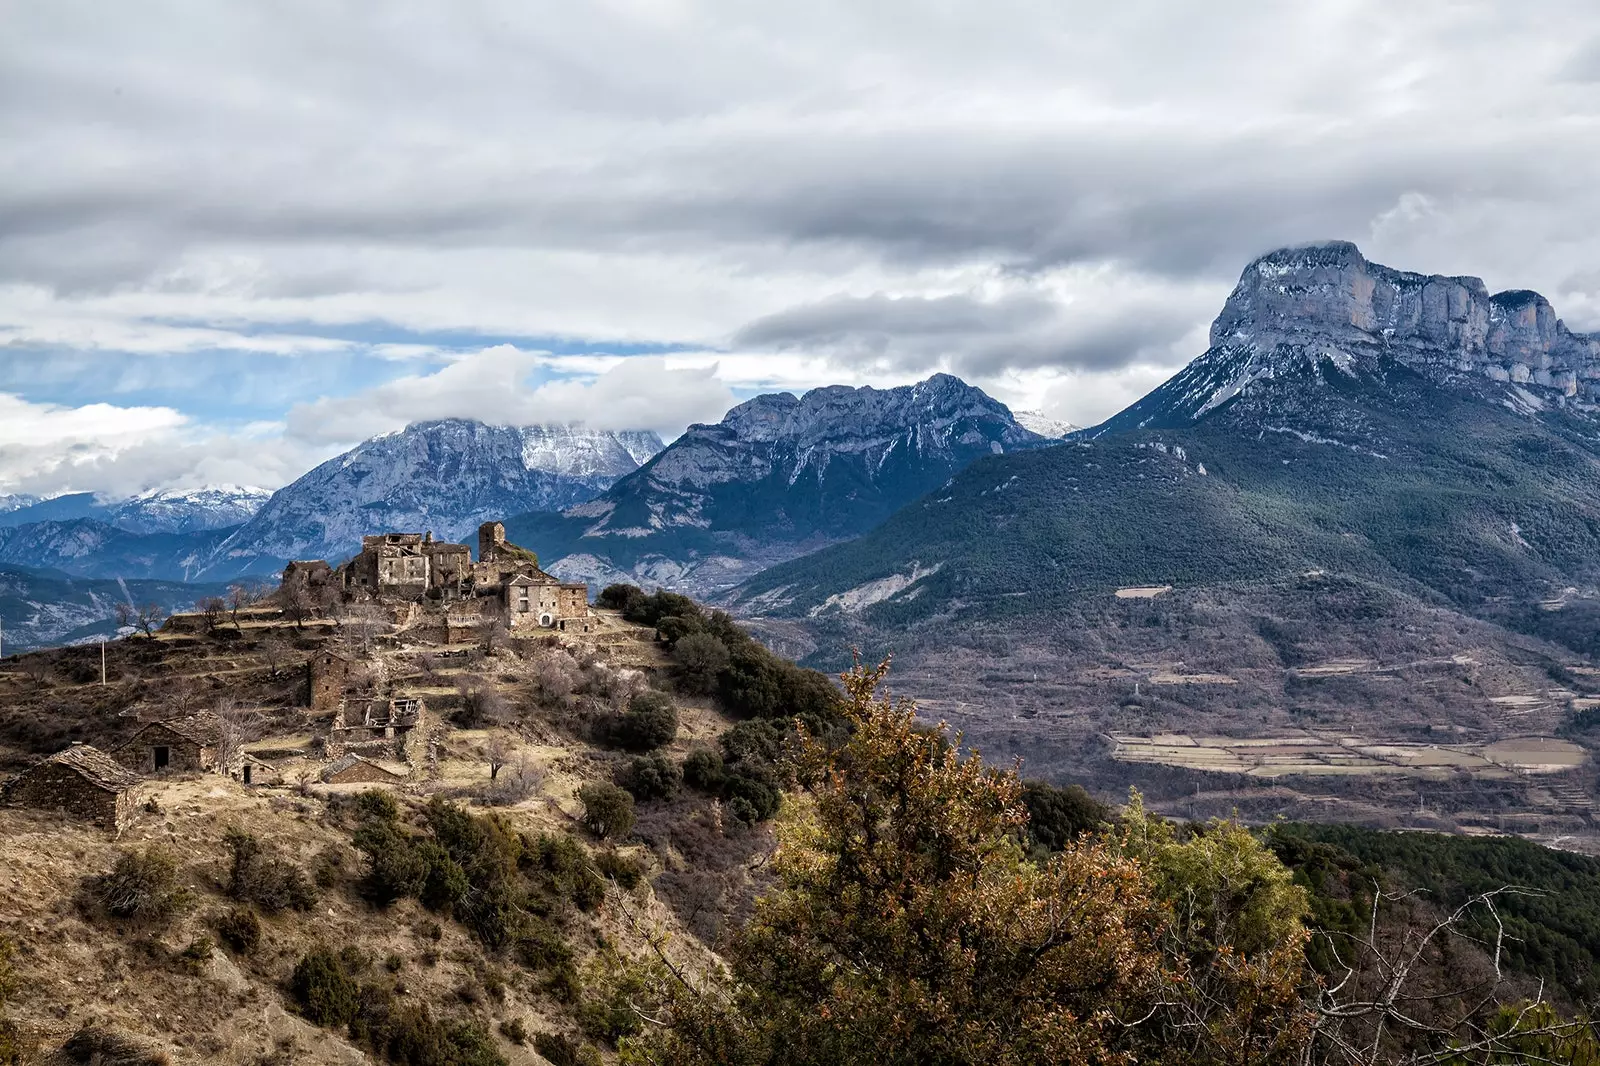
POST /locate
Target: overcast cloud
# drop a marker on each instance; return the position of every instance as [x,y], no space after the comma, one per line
[640,211]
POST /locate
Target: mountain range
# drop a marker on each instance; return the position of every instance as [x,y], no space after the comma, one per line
[1372,506]
[159,511]
[780,475]
[446,477]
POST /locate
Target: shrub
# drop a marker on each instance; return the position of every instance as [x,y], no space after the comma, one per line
[701,659]
[259,876]
[394,869]
[560,1050]
[142,887]
[516,1031]
[649,722]
[652,776]
[197,952]
[565,872]
[325,993]
[101,1045]
[702,769]
[376,804]
[607,810]
[445,882]
[622,869]
[240,930]
[1058,816]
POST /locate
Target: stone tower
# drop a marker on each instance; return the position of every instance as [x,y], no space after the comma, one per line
[491,540]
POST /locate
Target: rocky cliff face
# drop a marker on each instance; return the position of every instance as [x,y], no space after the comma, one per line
[778,475]
[1325,306]
[445,477]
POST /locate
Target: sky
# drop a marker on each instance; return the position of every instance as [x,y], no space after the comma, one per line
[237,238]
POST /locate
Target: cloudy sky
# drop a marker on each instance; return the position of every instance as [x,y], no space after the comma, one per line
[235,238]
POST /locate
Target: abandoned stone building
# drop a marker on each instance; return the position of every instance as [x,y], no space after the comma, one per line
[398,569]
[352,769]
[328,677]
[187,744]
[83,782]
[313,574]
[393,727]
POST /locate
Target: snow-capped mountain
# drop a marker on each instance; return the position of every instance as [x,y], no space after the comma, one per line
[446,477]
[189,510]
[157,511]
[1042,424]
[16,501]
[779,475]
[1324,309]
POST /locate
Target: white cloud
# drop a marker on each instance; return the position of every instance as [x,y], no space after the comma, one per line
[1049,199]
[493,386]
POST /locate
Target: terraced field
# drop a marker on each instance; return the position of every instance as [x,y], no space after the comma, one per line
[1313,755]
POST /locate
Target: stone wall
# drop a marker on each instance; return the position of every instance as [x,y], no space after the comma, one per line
[54,787]
[184,755]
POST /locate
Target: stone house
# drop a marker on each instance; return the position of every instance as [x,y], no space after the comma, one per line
[311,574]
[327,678]
[83,782]
[352,769]
[414,569]
[187,744]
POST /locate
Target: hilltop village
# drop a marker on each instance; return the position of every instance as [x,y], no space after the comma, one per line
[370,727]
[226,754]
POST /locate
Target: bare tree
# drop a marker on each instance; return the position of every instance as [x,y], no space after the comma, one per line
[497,752]
[298,604]
[272,650]
[145,617]
[495,628]
[239,597]
[236,727]
[481,703]
[521,779]
[1377,1009]
[211,608]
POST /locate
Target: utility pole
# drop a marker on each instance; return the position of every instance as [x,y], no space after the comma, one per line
[102,662]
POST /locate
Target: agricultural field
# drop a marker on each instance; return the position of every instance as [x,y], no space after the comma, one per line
[1313,755]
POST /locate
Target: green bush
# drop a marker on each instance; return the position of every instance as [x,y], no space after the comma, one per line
[650,721]
[652,776]
[377,805]
[702,769]
[394,869]
[516,1031]
[445,884]
[1058,816]
[325,993]
[240,930]
[559,1050]
[622,869]
[258,876]
[701,659]
[142,887]
[607,810]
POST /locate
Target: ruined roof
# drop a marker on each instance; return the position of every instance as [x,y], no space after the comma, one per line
[94,766]
[202,727]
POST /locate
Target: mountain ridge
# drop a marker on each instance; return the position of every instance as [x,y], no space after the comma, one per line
[446,476]
[779,475]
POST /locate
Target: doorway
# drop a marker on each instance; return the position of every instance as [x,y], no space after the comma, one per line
[163,756]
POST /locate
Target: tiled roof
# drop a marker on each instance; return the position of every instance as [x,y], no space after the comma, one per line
[202,727]
[95,767]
